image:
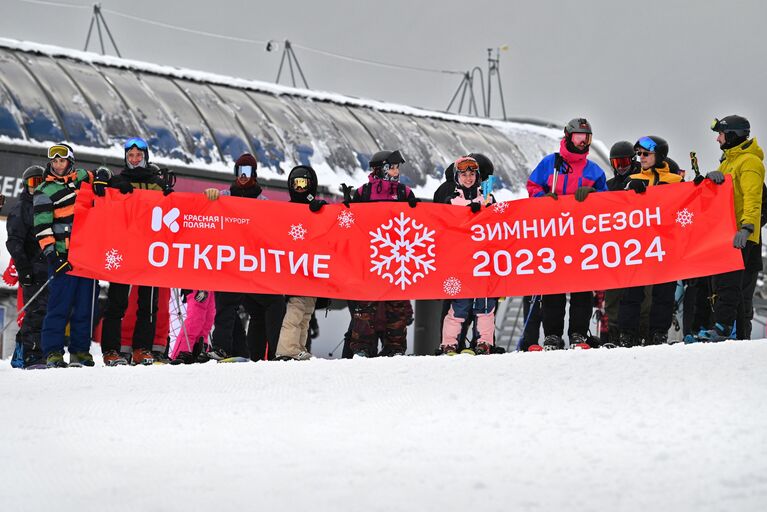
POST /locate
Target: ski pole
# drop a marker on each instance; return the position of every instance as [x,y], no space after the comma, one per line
[330,354]
[694,163]
[533,303]
[30,301]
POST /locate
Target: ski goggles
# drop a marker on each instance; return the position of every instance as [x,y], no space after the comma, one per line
[580,138]
[466,163]
[387,167]
[647,143]
[60,151]
[621,163]
[301,183]
[135,142]
[246,170]
[33,181]
[715,125]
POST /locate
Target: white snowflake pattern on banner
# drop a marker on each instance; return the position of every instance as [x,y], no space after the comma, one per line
[684,217]
[345,219]
[113,260]
[406,257]
[500,207]
[297,232]
[452,286]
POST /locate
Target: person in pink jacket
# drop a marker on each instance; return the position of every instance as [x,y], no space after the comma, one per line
[190,340]
[468,192]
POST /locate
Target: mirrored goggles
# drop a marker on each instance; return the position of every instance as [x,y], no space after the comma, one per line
[466,164]
[33,181]
[59,151]
[137,142]
[301,183]
[621,163]
[246,170]
[647,143]
[386,167]
[580,138]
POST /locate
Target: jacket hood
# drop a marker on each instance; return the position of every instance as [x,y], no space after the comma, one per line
[303,197]
[748,147]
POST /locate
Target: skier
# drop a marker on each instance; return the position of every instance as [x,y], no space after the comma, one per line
[136,174]
[383,185]
[266,311]
[743,159]
[302,187]
[652,151]
[468,192]
[447,188]
[568,172]
[31,267]
[70,298]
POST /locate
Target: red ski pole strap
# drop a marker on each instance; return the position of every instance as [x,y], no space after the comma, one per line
[389,251]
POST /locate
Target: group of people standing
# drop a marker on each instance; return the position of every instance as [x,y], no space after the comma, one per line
[61,309]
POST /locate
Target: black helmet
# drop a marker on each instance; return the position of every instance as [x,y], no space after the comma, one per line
[32,171]
[736,130]
[577,125]
[486,167]
[622,149]
[302,172]
[656,145]
[381,161]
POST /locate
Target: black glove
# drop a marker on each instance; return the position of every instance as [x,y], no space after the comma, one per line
[475,207]
[101,181]
[347,191]
[583,192]
[739,242]
[25,278]
[316,205]
[200,296]
[124,187]
[412,201]
[60,264]
[699,179]
[166,191]
[552,195]
[638,186]
[716,176]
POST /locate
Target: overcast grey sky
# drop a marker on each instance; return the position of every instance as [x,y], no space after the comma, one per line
[632,68]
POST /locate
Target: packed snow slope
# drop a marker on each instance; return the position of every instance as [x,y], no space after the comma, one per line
[668,428]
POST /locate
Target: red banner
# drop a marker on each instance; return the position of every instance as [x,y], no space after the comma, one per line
[388,251]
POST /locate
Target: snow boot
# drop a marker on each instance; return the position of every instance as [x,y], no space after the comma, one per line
[553,342]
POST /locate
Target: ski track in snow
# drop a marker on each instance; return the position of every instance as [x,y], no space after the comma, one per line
[657,428]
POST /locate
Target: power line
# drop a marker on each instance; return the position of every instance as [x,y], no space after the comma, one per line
[55,4]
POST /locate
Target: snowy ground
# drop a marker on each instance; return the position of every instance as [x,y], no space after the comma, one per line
[653,429]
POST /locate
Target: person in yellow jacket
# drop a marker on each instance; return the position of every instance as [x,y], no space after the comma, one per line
[652,152]
[743,159]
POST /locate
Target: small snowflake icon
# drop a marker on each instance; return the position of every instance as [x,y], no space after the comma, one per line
[500,207]
[345,219]
[407,256]
[297,231]
[113,260]
[452,286]
[684,217]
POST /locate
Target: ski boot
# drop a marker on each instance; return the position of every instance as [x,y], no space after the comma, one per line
[448,350]
[718,333]
[142,356]
[184,358]
[216,353]
[689,338]
[579,341]
[483,348]
[553,342]
[159,357]
[80,359]
[114,358]
[658,338]
[629,340]
[55,360]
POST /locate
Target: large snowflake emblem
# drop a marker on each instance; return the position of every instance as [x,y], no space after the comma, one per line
[405,257]
[345,219]
[297,231]
[500,207]
[113,260]
[684,217]
[452,286]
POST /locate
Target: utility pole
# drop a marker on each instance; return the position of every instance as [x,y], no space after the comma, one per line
[493,65]
[99,20]
[289,55]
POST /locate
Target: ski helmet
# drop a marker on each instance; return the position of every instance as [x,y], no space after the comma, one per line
[246,165]
[486,167]
[33,176]
[622,155]
[577,125]
[381,161]
[61,150]
[654,144]
[736,130]
[466,163]
[305,178]
[140,144]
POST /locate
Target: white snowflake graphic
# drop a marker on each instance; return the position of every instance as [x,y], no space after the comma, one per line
[684,217]
[345,219]
[407,257]
[452,286]
[500,207]
[297,231]
[113,260]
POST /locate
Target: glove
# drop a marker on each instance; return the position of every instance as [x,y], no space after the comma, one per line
[101,181]
[741,237]
[316,205]
[26,279]
[347,192]
[167,190]
[200,296]
[475,207]
[60,264]
[583,192]
[638,186]
[716,176]
[699,179]
[552,195]
[124,187]
[412,201]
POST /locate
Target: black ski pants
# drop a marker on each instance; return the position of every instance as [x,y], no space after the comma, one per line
[581,304]
[146,317]
[661,309]
[266,313]
[728,288]
[31,327]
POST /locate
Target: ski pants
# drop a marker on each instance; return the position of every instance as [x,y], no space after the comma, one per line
[661,309]
[697,305]
[162,325]
[728,288]
[266,313]
[146,314]
[295,326]
[398,314]
[532,310]
[198,323]
[32,325]
[581,304]
[460,310]
[70,299]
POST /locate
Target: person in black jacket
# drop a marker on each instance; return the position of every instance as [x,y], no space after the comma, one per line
[266,311]
[31,267]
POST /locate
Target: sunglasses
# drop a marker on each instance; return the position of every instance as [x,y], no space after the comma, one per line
[579,138]
[60,152]
[246,170]
[33,181]
[647,143]
[137,142]
[300,183]
[645,153]
[621,163]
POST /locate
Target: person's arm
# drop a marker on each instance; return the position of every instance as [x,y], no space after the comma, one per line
[537,183]
[43,211]
[17,231]
[751,177]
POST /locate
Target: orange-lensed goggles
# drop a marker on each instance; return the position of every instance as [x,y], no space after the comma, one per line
[33,181]
[466,164]
[620,163]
